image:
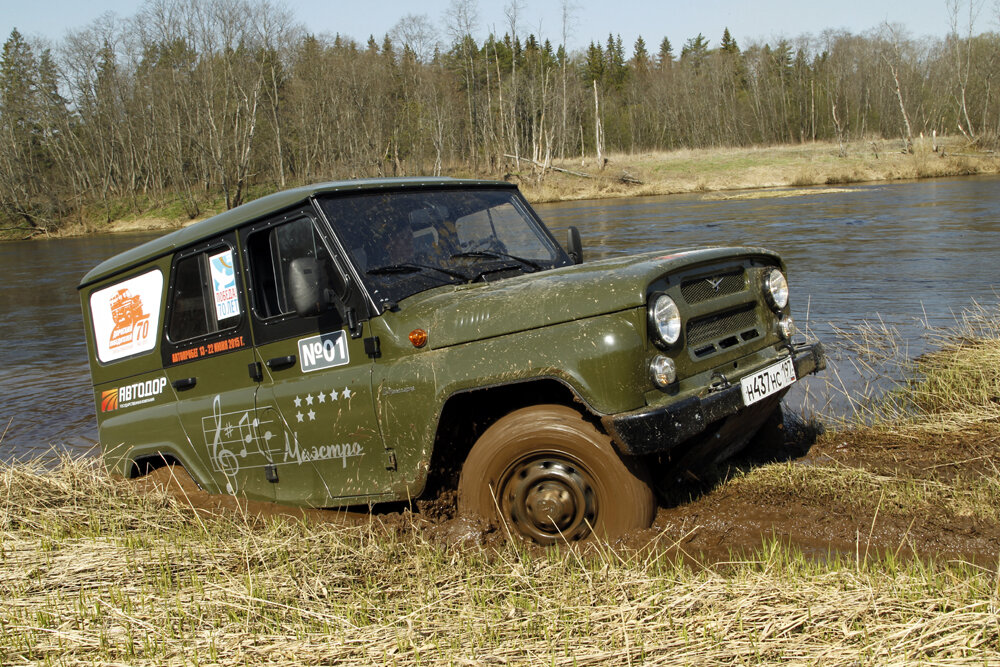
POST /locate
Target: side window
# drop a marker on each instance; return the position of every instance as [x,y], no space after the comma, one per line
[272,253]
[204,298]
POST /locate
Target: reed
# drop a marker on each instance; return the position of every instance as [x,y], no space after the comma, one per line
[954,386]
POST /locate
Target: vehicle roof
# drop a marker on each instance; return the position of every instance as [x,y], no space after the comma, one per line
[259,208]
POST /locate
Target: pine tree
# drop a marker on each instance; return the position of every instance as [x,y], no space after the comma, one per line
[695,51]
[640,57]
[729,45]
[17,82]
[593,65]
[19,142]
[665,58]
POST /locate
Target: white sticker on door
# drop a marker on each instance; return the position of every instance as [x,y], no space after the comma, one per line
[323,351]
[126,316]
[227,303]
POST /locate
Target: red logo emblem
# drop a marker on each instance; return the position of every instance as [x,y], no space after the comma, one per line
[109,400]
[131,323]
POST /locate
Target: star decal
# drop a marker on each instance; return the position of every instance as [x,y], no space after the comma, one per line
[299,416]
[309,399]
[298,402]
[333,394]
[322,397]
[312,416]
[347,392]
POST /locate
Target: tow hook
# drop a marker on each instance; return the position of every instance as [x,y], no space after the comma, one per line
[719,382]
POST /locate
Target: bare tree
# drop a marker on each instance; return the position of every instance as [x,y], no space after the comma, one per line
[894,60]
[416,33]
[961,51]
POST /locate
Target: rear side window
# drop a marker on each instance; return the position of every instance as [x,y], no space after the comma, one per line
[204,298]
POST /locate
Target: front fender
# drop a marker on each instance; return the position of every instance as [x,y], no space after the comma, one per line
[600,359]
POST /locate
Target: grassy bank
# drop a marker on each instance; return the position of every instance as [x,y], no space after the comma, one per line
[879,546]
[94,574]
[713,172]
[720,170]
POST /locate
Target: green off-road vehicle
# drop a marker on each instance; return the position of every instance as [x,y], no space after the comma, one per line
[367,341]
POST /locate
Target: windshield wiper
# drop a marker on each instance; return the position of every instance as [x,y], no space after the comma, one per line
[535,266]
[410,267]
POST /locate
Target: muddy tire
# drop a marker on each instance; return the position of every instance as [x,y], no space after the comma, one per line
[545,474]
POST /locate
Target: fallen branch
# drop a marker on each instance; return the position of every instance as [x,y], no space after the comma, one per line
[629,179]
[539,164]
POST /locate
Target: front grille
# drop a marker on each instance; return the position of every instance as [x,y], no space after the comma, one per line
[709,335]
[720,284]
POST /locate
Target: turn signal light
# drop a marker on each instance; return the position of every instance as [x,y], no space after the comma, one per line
[418,337]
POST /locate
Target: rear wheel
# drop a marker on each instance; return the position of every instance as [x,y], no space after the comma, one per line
[548,475]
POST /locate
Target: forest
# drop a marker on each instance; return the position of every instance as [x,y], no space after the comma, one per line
[191,102]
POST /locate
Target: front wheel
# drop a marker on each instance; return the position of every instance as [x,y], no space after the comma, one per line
[548,475]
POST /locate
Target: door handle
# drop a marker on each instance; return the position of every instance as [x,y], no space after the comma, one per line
[281,362]
[184,383]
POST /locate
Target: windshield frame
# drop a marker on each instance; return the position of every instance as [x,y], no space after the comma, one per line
[387,288]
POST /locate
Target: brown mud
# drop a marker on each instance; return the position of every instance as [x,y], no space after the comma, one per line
[838,520]
[748,503]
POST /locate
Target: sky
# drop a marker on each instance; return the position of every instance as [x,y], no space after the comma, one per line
[591,20]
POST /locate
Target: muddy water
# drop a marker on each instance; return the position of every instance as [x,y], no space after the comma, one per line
[905,253]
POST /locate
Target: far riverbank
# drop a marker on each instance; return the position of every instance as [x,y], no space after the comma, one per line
[710,171]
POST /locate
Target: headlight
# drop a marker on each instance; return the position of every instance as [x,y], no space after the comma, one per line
[662,371]
[666,319]
[776,289]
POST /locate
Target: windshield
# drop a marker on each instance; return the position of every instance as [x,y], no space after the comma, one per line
[407,242]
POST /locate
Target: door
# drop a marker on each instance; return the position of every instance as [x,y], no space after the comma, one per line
[209,361]
[316,375]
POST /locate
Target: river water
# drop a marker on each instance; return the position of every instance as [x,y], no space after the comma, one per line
[906,255]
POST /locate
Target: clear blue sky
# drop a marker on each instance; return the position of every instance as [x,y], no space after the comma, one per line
[592,19]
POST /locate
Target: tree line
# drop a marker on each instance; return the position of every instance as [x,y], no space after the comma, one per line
[192,99]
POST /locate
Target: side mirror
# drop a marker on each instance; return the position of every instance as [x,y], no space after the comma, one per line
[305,284]
[574,246]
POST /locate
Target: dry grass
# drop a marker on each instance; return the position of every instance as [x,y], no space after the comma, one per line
[92,573]
[724,169]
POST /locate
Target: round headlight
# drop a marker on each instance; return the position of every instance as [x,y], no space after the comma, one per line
[662,371]
[776,288]
[666,319]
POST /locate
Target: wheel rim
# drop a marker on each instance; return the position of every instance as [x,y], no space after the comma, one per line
[549,497]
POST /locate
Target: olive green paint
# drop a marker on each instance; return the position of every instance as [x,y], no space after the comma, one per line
[364,430]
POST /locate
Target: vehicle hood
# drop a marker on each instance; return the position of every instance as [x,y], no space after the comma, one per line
[460,314]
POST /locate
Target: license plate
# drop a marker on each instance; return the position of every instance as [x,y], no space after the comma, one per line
[768,381]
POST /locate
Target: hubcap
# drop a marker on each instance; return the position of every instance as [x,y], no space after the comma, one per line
[547,498]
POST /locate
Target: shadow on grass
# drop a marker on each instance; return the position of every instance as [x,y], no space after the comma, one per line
[784,437]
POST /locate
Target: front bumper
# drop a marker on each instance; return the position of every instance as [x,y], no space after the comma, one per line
[660,429]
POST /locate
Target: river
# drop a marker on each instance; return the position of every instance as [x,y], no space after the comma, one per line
[907,255]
